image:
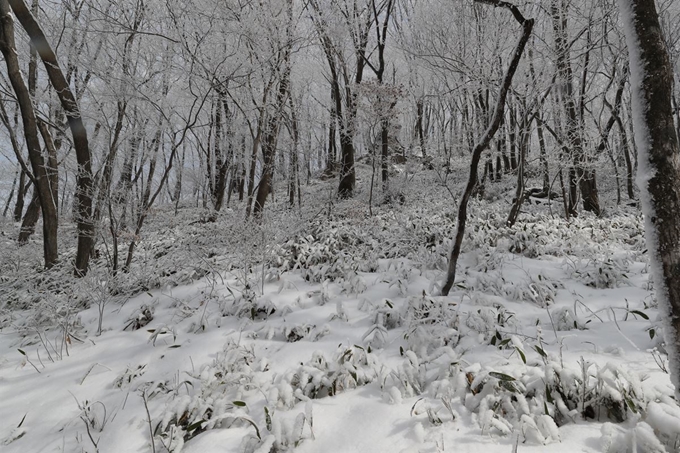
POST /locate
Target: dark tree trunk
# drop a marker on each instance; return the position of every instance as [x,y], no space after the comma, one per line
[274,121]
[420,130]
[512,136]
[527,26]
[11,193]
[41,171]
[625,149]
[222,163]
[331,155]
[21,194]
[78,132]
[543,158]
[659,157]
[30,219]
[581,175]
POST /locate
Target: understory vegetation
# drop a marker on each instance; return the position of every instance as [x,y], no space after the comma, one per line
[252,333]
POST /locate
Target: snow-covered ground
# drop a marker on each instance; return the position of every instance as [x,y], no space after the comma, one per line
[327,335]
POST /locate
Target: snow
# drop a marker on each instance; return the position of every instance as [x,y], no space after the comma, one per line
[340,347]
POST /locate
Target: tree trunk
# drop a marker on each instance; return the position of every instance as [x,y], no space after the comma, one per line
[30,219]
[626,155]
[11,193]
[222,162]
[78,132]
[21,194]
[419,127]
[41,171]
[659,161]
[580,175]
[527,26]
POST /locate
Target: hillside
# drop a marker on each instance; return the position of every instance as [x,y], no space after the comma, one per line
[320,330]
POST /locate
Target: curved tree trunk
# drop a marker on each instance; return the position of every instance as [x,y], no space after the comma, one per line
[527,25]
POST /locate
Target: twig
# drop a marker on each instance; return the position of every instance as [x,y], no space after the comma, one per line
[148,419]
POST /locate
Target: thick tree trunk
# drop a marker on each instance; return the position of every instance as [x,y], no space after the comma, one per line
[41,170]
[30,219]
[659,160]
[78,131]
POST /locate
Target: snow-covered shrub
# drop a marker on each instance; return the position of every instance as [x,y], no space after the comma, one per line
[431,323]
[488,323]
[609,272]
[139,318]
[249,305]
[655,431]
[564,319]
[213,400]
[129,375]
[305,331]
[351,367]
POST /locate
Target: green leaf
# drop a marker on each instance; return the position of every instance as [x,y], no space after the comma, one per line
[175,346]
[502,377]
[238,403]
[652,333]
[195,425]
[267,418]
[640,314]
[541,351]
[21,351]
[521,354]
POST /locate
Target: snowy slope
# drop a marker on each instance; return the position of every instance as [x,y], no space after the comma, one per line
[333,339]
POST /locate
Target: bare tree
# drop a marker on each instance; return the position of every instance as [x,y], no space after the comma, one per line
[483,143]
[659,160]
[42,170]
[78,131]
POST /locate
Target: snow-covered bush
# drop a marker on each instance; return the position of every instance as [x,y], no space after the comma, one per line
[213,400]
[609,272]
[351,367]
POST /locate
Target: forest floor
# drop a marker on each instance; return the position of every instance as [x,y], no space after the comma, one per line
[320,330]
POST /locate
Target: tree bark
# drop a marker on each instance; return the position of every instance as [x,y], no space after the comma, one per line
[580,175]
[78,131]
[527,26]
[30,219]
[659,162]
[41,170]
